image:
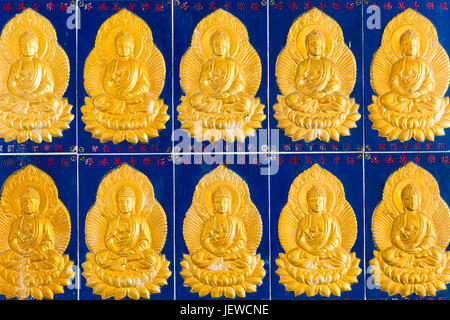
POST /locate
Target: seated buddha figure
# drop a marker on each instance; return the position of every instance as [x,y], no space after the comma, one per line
[31,238]
[127,239]
[222,82]
[316,82]
[125,83]
[411,80]
[318,237]
[413,235]
[223,238]
[30,81]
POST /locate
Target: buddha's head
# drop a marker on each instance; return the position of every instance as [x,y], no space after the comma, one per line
[124,43]
[316,198]
[126,200]
[220,43]
[411,197]
[29,44]
[409,43]
[221,199]
[315,43]
[29,201]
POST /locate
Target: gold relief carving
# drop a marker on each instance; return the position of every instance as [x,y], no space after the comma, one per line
[220,75]
[410,74]
[411,229]
[34,233]
[316,73]
[124,75]
[222,230]
[317,229]
[34,74]
[125,231]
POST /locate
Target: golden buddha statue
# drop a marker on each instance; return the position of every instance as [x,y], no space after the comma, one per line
[125,237]
[35,78]
[316,80]
[316,73]
[223,238]
[222,231]
[412,257]
[318,258]
[222,83]
[126,82]
[319,237]
[124,75]
[410,73]
[32,262]
[220,74]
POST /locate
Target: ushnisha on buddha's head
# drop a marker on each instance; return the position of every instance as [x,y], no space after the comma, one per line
[315,43]
[221,199]
[316,199]
[126,200]
[29,201]
[29,44]
[220,43]
[124,44]
[409,43]
[411,197]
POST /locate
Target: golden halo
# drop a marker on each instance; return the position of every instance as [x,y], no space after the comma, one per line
[395,39]
[109,40]
[15,36]
[301,37]
[18,189]
[111,196]
[205,43]
[207,196]
[302,200]
[424,194]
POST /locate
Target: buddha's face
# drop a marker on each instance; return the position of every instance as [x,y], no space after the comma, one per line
[316,204]
[28,47]
[411,202]
[315,47]
[124,47]
[410,47]
[222,205]
[125,204]
[220,47]
[29,204]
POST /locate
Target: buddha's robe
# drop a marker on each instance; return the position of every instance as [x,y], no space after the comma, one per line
[223,239]
[412,87]
[222,87]
[127,241]
[126,85]
[413,238]
[32,243]
[319,243]
[30,88]
[317,86]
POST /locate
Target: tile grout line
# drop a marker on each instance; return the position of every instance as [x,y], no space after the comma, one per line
[363,153]
[77,25]
[268,145]
[173,153]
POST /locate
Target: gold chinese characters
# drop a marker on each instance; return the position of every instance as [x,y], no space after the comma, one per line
[411,229]
[222,230]
[410,74]
[34,74]
[123,76]
[317,229]
[125,232]
[220,74]
[316,73]
[34,233]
